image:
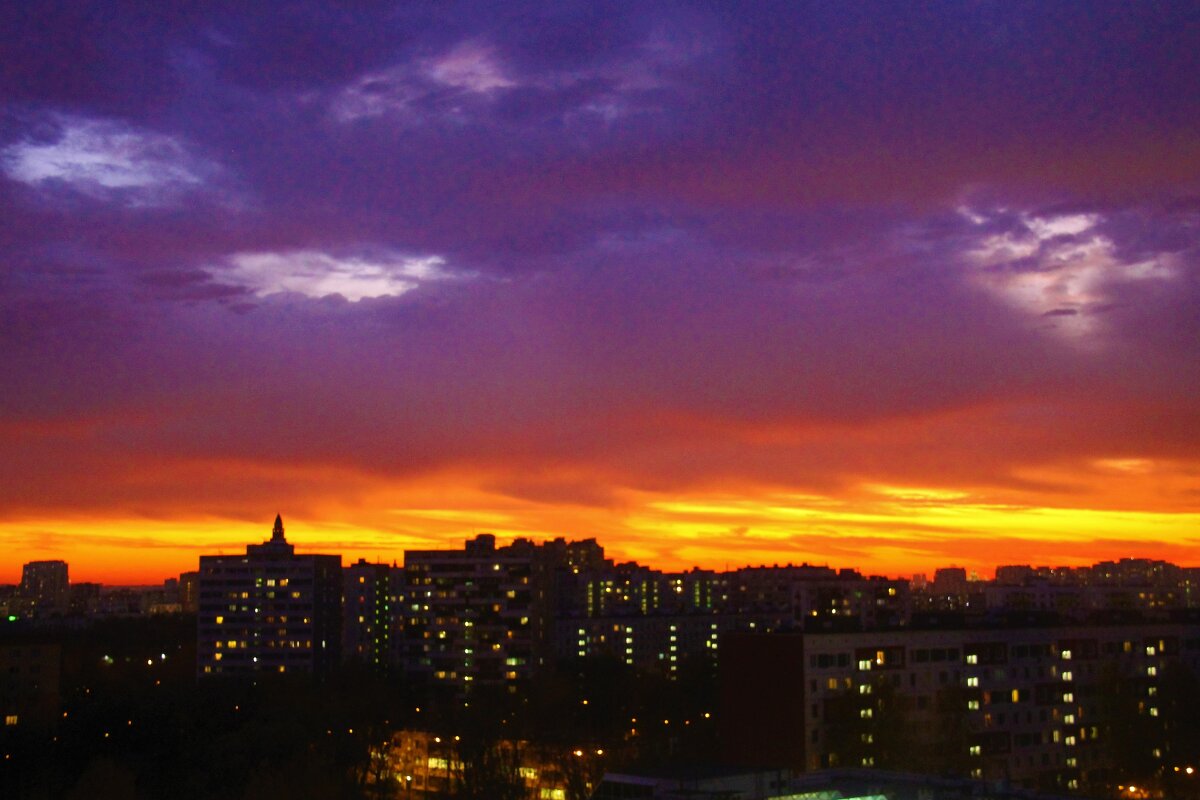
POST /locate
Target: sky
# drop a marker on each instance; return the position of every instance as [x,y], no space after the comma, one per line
[883,285]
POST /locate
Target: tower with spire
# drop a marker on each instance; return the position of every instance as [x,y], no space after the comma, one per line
[277,545]
[269,610]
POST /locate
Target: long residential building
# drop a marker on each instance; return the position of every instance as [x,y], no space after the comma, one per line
[1051,708]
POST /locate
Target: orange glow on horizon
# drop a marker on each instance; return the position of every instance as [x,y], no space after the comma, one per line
[877,528]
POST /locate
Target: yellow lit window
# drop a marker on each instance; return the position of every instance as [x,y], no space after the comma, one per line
[10,720]
[220,620]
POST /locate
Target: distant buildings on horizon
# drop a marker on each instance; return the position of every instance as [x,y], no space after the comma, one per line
[45,590]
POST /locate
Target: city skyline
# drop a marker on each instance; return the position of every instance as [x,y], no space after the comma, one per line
[970,574]
[875,286]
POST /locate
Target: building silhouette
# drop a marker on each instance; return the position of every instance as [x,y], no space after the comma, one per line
[269,610]
[369,624]
[46,584]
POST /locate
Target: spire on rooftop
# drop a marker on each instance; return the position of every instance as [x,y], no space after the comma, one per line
[277,531]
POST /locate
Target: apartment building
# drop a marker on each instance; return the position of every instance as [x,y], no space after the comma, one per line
[269,610]
[1038,707]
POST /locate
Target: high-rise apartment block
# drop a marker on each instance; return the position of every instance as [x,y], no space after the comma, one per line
[47,585]
[269,610]
[469,614]
[369,625]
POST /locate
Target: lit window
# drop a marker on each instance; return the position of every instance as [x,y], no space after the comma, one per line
[220,620]
[972,681]
[972,658]
[976,750]
[10,720]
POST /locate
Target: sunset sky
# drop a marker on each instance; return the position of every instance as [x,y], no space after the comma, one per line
[887,285]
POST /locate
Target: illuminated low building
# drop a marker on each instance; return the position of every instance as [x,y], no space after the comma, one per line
[855,784]
[429,765]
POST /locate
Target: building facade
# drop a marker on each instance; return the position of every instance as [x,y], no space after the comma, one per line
[370,592]
[46,583]
[269,611]
[468,614]
[1049,708]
